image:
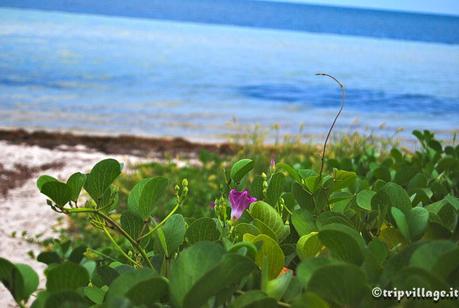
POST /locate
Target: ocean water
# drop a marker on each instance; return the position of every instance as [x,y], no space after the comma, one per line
[191,76]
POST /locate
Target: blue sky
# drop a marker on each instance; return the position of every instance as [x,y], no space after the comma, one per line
[450,7]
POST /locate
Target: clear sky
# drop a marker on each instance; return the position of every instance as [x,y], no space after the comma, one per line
[450,7]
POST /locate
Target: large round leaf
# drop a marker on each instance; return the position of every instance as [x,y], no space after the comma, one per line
[145,195]
[142,286]
[66,276]
[172,234]
[202,229]
[268,251]
[343,284]
[229,271]
[57,191]
[344,242]
[101,177]
[268,215]
[191,265]
[308,245]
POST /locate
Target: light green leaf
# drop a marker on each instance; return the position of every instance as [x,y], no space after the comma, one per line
[174,233]
[308,245]
[364,199]
[269,249]
[276,287]
[101,177]
[75,183]
[145,195]
[268,215]
[240,169]
[195,261]
[44,179]
[30,278]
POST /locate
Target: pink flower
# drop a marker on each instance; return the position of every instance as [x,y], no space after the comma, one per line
[240,201]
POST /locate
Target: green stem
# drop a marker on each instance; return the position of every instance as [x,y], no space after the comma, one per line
[161,223]
[118,246]
[133,242]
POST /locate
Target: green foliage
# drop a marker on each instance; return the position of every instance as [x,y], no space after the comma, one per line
[374,217]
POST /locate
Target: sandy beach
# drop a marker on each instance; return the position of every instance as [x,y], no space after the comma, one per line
[26,155]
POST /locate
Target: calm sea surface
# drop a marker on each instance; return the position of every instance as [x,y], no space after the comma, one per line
[189,73]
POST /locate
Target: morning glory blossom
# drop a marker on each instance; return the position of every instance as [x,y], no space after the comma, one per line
[240,201]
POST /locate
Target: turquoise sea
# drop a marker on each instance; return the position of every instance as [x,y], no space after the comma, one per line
[191,74]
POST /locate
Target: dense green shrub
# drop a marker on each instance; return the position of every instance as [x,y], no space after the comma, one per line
[284,236]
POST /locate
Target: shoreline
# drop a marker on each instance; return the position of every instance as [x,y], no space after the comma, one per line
[120,144]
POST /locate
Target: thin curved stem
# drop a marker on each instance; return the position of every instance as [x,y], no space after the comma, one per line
[133,242]
[334,121]
[161,223]
[107,233]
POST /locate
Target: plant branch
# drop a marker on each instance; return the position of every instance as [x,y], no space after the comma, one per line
[133,242]
[161,223]
[334,121]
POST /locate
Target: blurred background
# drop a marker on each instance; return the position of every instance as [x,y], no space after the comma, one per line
[198,68]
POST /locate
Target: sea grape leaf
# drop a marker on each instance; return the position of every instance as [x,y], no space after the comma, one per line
[242,228]
[145,195]
[94,294]
[303,222]
[132,223]
[101,177]
[30,279]
[412,225]
[240,169]
[145,279]
[57,191]
[344,242]
[76,182]
[66,276]
[12,279]
[254,299]
[310,299]
[343,179]
[49,257]
[202,229]
[308,245]
[303,197]
[440,257]
[174,231]
[290,170]
[45,179]
[275,188]
[343,284]
[364,199]
[277,287]
[270,250]
[65,298]
[268,215]
[307,267]
[195,261]
[392,194]
[229,271]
